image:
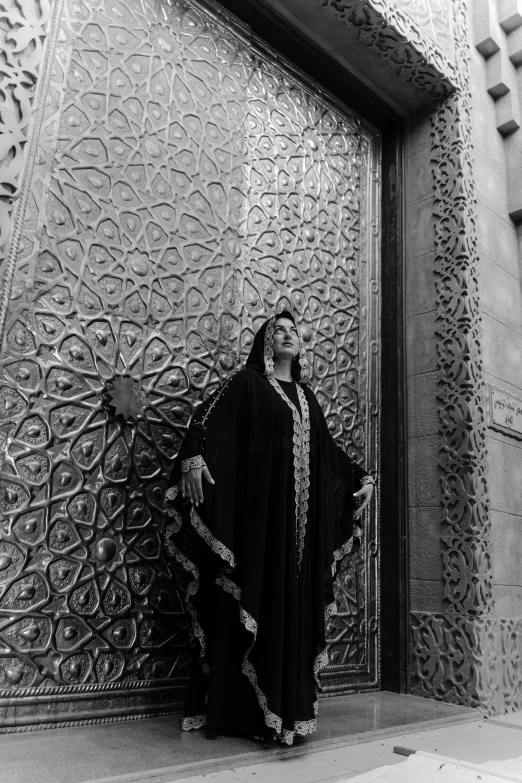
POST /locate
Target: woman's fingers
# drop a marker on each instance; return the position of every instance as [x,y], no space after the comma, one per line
[192,484]
[188,488]
[206,473]
[364,490]
[199,487]
[365,493]
[366,500]
[193,489]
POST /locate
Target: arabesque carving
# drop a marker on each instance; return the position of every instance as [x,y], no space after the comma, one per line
[467,567]
[446,656]
[468,660]
[405,35]
[465,655]
[184,184]
[23,28]
[433,19]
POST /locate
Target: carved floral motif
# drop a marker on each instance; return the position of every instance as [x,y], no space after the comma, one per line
[23,28]
[410,36]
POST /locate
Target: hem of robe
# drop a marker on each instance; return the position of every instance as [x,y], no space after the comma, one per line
[272,721]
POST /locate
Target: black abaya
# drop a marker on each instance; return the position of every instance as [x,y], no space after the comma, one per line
[261,552]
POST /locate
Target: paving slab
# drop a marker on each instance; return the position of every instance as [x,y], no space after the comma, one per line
[477,742]
[155,750]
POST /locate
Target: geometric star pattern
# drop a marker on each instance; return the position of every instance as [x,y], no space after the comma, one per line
[193,185]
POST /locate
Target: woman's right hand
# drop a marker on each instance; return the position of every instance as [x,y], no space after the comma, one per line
[192,484]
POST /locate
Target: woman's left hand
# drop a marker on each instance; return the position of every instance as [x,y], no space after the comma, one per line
[365,493]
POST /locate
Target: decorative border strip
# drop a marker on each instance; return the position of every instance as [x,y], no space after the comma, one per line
[25,187]
[23,30]
[391,33]
[301,453]
[466,656]
[95,687]
[400,14]
[71,724]
[463,396]
[468,660]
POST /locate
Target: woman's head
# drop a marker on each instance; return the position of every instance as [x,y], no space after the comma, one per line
[285,338]
[271,340]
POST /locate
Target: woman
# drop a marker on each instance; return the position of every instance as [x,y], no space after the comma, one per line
[261,540]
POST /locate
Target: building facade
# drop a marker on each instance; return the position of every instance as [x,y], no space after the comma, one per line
[172,173]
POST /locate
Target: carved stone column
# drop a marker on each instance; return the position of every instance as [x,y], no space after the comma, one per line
[465,654]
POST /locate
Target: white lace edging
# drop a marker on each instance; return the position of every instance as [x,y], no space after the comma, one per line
[304,364]
[322,659]
[228,586]
[217,547]
[268,347]
[301,451]
[172,492]
[174,526]
[192,462]
[193,723]
[338,554]
[223,580]
[346,548]
[192,589]
[272,720]
[302,728]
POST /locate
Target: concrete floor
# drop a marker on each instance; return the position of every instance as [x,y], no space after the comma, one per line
[475,742]
[155,750]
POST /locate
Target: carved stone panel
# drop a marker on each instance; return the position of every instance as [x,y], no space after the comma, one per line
[433,19]
[189,183]
[23,29]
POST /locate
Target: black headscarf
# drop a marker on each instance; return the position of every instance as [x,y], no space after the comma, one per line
[261,357]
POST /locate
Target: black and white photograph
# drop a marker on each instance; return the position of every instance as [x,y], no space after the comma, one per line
[260,391]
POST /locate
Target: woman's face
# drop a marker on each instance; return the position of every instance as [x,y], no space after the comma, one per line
[286,339]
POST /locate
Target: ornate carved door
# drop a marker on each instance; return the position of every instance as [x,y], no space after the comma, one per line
[182,181]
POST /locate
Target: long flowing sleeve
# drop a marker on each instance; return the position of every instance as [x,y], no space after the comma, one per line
[341,477]
[193,445]
[360,475]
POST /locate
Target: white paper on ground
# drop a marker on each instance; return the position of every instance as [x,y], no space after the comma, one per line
[511,767]
[423,769]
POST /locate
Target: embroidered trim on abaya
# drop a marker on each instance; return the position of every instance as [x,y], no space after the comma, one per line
[272,720]
[301,464]
[257,554]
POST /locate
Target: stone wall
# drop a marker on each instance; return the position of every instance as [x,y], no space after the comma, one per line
[466,593]
[426,585]
[430,20]
[496,121]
